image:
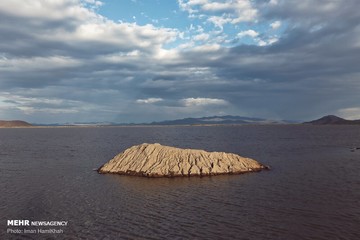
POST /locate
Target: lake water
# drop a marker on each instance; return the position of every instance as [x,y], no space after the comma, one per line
[311,192]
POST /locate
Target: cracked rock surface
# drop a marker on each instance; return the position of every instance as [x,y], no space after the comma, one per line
[155,160]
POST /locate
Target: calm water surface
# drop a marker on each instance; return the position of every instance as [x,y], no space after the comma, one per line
[312,191]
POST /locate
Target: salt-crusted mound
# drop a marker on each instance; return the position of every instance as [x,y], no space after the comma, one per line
[155,160]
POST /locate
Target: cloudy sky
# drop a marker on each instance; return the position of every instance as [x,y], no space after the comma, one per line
[150,60]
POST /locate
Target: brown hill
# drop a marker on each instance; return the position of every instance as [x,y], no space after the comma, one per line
[333,120]
[14,123]
[155,160]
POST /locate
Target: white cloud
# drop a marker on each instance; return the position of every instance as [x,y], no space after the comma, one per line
[272,40]
[94,4]
[189,102]
[186,45]
[149,100]
[220,13]
[40,9]
[266,42]
[38,63]
[197,2]
[217,6]
[350,113]
[208,48]
[250,33]
[33,105]
[275,25]
[262,43]
[219,21]
[124,34]
[201,37]
[28,110]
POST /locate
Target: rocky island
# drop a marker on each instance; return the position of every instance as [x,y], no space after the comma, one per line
[155,160]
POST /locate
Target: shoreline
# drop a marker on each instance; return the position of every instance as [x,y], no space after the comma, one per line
[177,125]
[145,125]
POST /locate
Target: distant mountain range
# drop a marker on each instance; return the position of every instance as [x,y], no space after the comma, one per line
[219,120]
[76,124]
[14,123]
[213,120]
[333,120]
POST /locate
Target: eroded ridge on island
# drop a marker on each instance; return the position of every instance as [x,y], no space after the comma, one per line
[155,160]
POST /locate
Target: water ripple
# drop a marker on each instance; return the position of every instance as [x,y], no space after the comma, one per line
[310,193]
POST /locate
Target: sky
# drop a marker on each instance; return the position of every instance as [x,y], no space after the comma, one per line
[151,60]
